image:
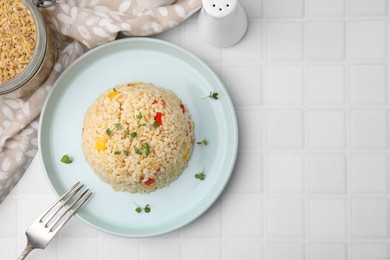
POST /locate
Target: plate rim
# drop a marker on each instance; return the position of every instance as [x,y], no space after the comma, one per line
[232,112]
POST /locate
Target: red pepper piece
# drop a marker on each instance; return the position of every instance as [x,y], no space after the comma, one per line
[182,108]
[155,101]
[158,118]
[149,182]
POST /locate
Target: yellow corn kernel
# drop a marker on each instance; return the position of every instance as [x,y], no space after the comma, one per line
[112,94]
[186,154]
[101,144]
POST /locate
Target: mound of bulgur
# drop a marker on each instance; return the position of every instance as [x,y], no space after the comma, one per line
[138,137]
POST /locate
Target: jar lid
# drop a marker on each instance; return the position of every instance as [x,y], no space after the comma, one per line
[37,57]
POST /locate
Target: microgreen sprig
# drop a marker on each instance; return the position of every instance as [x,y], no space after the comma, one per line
[146,209]
[110,130]
[204,141]
[212,95]
[66,159]
[156,124]
[200,175]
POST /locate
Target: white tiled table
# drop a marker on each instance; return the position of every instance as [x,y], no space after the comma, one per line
[310,86]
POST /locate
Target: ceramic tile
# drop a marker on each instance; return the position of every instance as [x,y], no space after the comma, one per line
[248,167]
[362,251]
[119,249]
[232,211]
[326,251]
[8,249]
[84,249]
[9,211]
[254,9]
[326,41]
[369,218]
[159,250]
[369,129]
[367,7]
[285,218]
[368,40]
[284,251]
[326,129]
[368,84]
[284,85]
[243,249]
[326,173]
[330,8]
[284,129]
[205,250]
[368,173]
[284,41]
[327,218]
[326,85]
[249,124]
[283,8]
[284,173]
[248,76]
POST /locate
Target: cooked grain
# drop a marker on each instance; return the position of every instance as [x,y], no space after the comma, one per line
[17,38]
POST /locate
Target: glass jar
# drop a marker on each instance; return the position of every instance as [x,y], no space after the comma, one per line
[41,63]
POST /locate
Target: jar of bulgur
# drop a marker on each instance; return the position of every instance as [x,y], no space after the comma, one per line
[27,49]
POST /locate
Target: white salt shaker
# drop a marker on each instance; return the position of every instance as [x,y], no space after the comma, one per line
[222,23]
[154,3]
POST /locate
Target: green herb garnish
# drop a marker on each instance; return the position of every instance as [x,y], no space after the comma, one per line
[204,141]
[133,134]
[137,151]
[66,159]
[126,153]
[126,132]
[147,149]
[156,124]
[117,152]
[139,116]
[200,175]
[138,209]
[212,95]
[112,128]
[141,124]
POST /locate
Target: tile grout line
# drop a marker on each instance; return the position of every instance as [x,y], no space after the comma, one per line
[263,135]
[347,100]
[305,175]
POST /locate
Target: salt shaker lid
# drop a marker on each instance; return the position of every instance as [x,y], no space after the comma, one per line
[219,8]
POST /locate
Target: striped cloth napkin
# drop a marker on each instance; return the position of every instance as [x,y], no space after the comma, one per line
[78,26]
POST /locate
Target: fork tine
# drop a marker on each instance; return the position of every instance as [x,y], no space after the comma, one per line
[51,228]
[63,203]
[56,202]
[74,212]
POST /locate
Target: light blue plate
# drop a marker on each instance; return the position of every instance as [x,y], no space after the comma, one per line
[165,65]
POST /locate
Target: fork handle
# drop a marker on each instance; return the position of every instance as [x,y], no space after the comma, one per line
[25,252]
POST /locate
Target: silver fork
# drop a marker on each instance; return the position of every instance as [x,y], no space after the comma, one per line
[47,225]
